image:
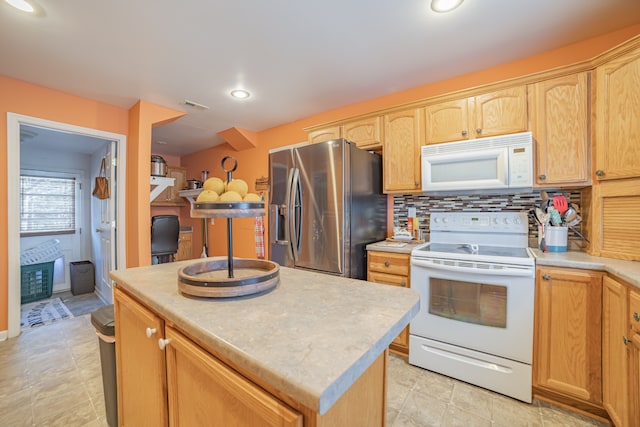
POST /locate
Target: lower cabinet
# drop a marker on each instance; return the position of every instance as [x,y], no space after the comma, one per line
[184,247]
[567,338]
[619,356]
[182,385]
[391,269]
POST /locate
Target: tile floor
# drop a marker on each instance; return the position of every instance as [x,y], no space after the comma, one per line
[50,376]
[417,397]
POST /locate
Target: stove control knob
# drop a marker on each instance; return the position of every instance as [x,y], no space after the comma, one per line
[445,220]
[517,220]
[506,221]
[496,221]
[436,219]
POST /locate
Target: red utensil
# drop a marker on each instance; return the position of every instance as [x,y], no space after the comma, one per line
[560,203]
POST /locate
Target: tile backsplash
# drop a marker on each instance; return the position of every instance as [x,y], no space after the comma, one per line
[424,205]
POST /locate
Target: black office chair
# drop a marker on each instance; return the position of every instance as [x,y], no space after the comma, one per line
[164,238]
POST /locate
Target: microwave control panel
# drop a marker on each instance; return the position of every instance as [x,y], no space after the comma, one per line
[520,166]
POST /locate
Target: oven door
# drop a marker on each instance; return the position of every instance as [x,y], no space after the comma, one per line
[484,307]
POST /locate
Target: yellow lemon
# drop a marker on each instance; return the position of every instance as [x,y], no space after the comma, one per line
[214,184]
[207,196]
[239,186]
[252,197]
[230,196]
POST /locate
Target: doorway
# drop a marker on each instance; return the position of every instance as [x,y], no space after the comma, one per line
[94,145]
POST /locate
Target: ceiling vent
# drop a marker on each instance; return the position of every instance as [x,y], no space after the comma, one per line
[195,105]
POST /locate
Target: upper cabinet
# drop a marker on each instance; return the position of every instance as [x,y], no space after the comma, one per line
[324,134]
[403,138]
[495,113]
[170,196]
[365,132]
[618,118]
[559,111]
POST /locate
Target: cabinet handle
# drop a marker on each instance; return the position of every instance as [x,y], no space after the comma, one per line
[162,343]
[386,264]
[546,277]
[416,184]
[636,316]
[599,172]
[479,131]
[625,340]
[542,177]
[403,284]
[464,133]
[150,331]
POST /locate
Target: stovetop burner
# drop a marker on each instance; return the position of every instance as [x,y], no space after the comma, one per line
[500,237]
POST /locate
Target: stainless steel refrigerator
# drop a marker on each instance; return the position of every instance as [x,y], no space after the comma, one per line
[326,205]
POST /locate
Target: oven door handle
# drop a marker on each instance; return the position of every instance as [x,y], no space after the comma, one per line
[505,271]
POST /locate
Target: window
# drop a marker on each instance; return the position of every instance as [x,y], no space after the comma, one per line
[47,204]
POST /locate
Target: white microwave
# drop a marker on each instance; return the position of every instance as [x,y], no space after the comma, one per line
[495,163]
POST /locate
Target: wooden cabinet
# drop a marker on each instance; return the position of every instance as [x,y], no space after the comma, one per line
[614,222]
[170,196]
[618,118]
[392,269]
[140,364]
[567,345]
[559,111]
[615,377]
[184,247]
[324,134]
[403,136]
[366,133]
[494,113]
[204,391]
[182,384]
[634,355]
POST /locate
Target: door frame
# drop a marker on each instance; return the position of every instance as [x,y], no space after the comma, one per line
[14,121]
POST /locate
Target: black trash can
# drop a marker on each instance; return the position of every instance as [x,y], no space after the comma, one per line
[103,320]
[83,277]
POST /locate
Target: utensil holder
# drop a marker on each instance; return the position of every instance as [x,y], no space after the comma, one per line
[556,238]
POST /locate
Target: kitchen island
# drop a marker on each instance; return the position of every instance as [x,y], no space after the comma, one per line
[310,352]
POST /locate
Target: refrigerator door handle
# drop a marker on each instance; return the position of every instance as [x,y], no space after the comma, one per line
[295,212]
[274,216]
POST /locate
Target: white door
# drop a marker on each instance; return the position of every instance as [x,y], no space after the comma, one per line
[103,225]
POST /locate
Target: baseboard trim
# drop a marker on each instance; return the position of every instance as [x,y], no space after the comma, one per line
[4,335]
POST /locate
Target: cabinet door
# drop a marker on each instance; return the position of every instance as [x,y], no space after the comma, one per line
[618,118]
[447,121]
[140,364]
[500,112]
[401,342]
[567,337]
[184,247]
[634,355]
[204,392]
[366,133]
[560,124]
[614,351]
[170,195]
[326,134]
[401,151]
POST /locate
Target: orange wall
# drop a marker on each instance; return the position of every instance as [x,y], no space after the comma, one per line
[36,101]
[253,163]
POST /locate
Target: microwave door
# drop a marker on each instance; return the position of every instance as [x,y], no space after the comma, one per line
[485,169]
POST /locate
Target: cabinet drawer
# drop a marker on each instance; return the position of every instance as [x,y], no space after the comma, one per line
[634,312]
[389,262]
[388,279]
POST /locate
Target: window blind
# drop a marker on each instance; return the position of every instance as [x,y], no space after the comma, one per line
[47,205]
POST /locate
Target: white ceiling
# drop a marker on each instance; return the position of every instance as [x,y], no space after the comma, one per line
[297,58]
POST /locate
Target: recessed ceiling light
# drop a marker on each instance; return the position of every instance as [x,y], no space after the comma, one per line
[442,6]
[22,5]
[240,94]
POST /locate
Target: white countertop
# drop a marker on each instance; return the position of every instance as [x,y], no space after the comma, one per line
[311,337]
